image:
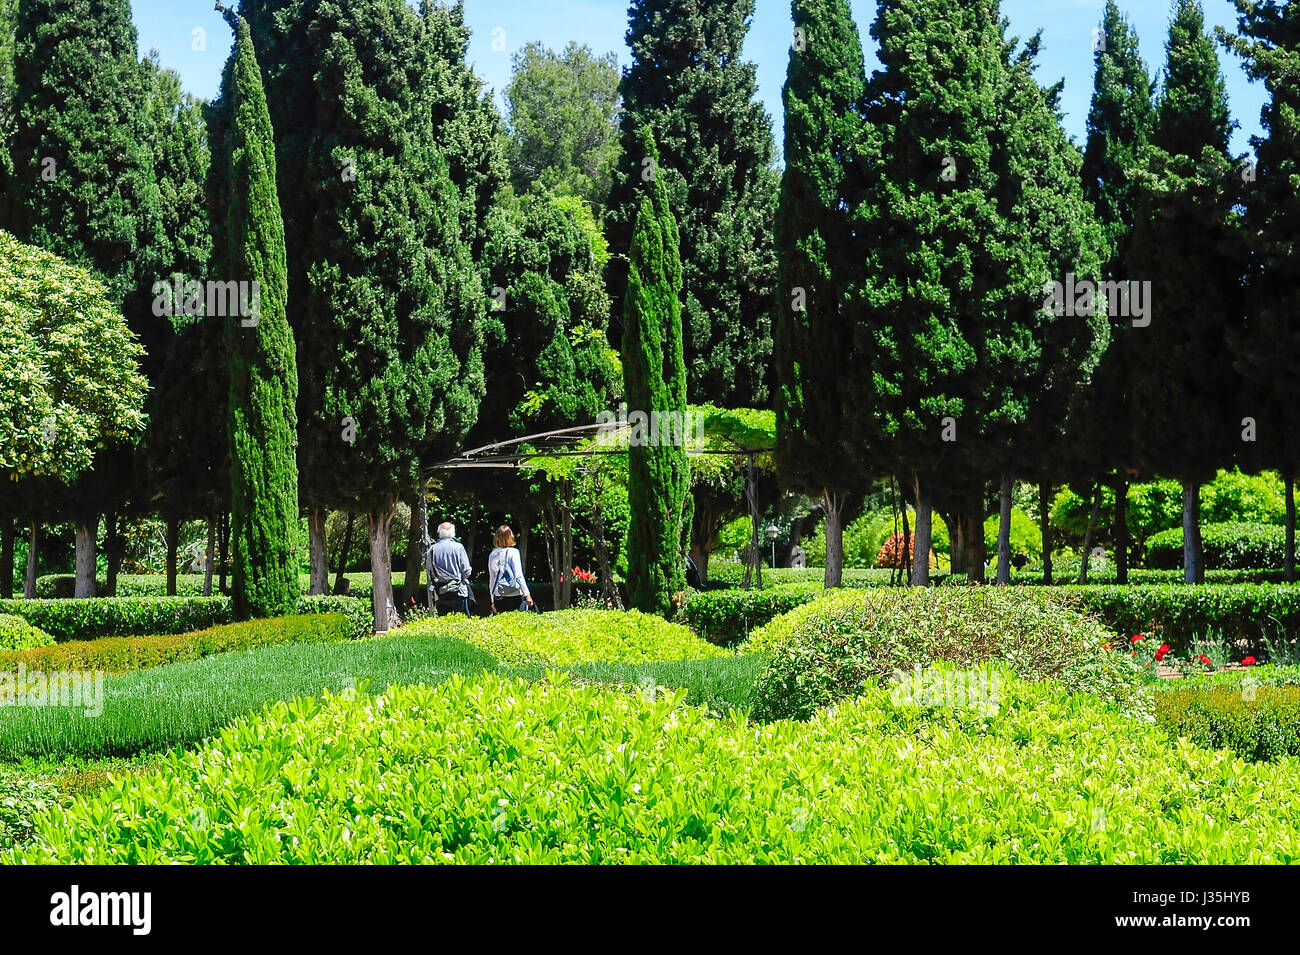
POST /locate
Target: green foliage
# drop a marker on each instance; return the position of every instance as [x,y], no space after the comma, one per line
[731,573]
[846,642]
[654,380]
[715,163]
[563,118]
[262,422]
[568,637]
[866,535]
[70,382]
[728,616]
[7,10]
[1026,537]
[16,634]
[894,784]
[1225,546]
[125,654]
[1258,724]
[21,800]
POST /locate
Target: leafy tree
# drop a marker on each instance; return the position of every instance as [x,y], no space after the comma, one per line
[654,380]
[263,374]
[1268,347]
[563,119]
[7,11]
[1187,241]
[817,254]
[70,382]
[689,86]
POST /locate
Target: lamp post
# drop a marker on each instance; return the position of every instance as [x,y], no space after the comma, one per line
[772,531]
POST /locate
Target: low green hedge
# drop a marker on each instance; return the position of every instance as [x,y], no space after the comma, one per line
[54,586]
[568,637]
[732,573]
[488,770]
[1223,546]
[17,634]
[126,654]
[1150,575]
[727,617]
[1258,723]
[156,616]
[848,641]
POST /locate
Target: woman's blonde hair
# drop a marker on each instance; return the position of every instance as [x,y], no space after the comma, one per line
[504,537]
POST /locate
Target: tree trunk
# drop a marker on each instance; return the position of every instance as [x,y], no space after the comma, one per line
[1193,572]
[1004,532]
[957,544]
[833,504]
[1121,528]
[924,529]
[525,523]
[173,541]
[1087,534]
[317,551]
[209,555]
[85,537]
[976,553]
[1045,528]
[566,543]
[342,563]
[381,565]
[7,557]
[224,554]
[1288,560]
[414,554]
[113,546]
[33,554]
[608,589]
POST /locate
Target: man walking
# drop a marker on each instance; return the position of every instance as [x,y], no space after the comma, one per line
[449,572]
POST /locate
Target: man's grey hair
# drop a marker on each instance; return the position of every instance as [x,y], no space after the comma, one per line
[446,530]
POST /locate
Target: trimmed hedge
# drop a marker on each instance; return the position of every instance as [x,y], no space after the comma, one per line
[1258,723]
[1150,575]
[733,574]
[503,771]
[58,586]
[1224,546]
[568,637]
[157,616]
[727,617]
[126,654]
[17,634]
[847,642]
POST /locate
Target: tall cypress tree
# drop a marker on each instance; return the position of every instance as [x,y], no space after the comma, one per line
[263,374]
[1187,242]
[1120,123]
[7,10]
[690,87]
[654,380]
[1268,347]
[816,255]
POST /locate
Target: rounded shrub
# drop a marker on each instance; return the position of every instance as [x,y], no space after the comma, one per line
[16,634]
[848,641]
[1224,547]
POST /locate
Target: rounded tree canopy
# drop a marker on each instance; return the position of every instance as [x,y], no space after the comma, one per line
[70,381]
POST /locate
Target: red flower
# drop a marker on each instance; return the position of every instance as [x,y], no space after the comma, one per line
[1206,660]
[1107,646]
[1248,662]
[1137,637]
[1162,653]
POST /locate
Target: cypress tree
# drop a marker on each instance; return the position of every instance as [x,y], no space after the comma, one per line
[263,374]
[1268,347]
[654,380]
[690,87]
[1187,242]
[7,10]
[816,256]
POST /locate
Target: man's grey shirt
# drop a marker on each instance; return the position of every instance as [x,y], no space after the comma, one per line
[447,561]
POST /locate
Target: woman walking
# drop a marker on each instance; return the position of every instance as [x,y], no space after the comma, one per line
[506,573]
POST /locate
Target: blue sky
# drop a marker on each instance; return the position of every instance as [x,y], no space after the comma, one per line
[1068,25]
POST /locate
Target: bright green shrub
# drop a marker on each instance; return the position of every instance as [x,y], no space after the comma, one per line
[567,637]
[120,616]
[864,537]
[848,641]
[17,634]
[1224,546]
[53,586]
[1026,537]
[21,800]
[725,617]
[1257,723]
[733,574]
[493,770]
[125,654]
[359,612]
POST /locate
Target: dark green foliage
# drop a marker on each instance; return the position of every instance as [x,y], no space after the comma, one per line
[1259,725]
[727,616]
[689,87]
[1225,547]
[817,253]
[7,11]
[548,362]
[120,616]
[654,380]
[563,117]
[263,374]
